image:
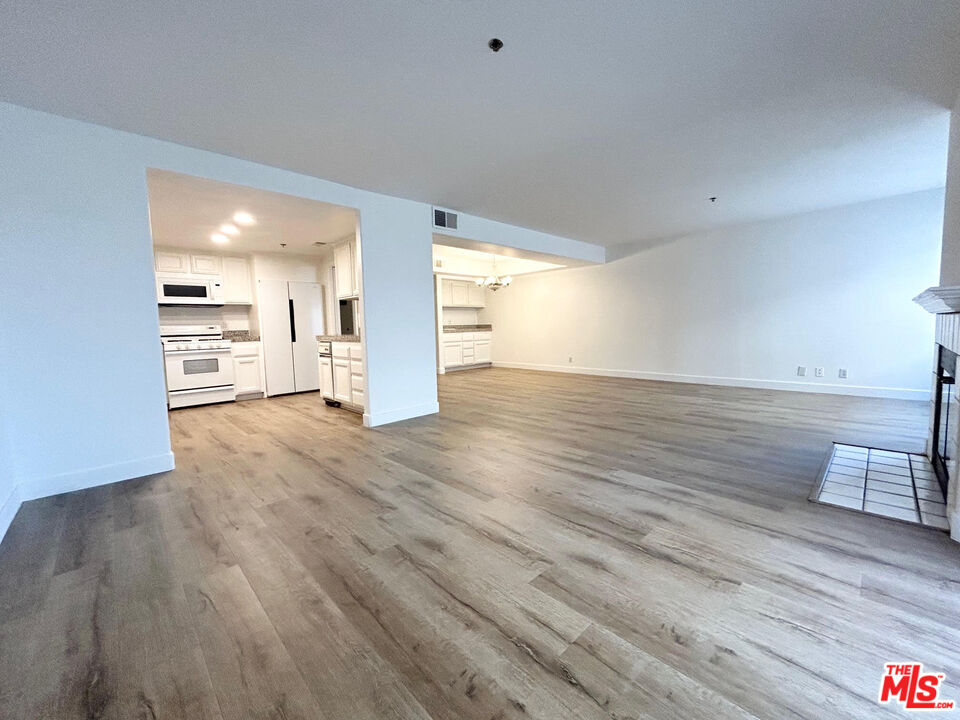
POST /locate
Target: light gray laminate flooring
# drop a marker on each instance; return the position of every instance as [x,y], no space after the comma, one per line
[550,546]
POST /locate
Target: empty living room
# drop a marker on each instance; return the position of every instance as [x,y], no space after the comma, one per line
[445,360]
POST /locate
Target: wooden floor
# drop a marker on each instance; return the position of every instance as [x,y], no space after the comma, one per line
[550,546]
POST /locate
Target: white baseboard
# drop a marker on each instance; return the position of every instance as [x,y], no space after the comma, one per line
[392,416]
[9,510]
[91,477]
[827,388]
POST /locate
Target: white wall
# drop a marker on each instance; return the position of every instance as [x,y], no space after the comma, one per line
[745,305]
[84,401]
[78,313]
[9,492]
[950,259]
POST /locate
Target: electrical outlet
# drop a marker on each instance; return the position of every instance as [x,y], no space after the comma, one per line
[818,372]
[801,371]
[842,373]
[570,359]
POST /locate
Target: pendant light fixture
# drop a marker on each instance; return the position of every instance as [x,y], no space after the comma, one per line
[493,281]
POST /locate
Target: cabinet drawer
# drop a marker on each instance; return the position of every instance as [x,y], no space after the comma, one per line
[358,396]
[245,349]
[466,336]
[340,350]
[356,382]
[356,367]
[356,351]
[449,337]
[483,335]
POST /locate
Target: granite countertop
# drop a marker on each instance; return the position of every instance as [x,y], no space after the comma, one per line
[339,338]
[241,336]
[467,328]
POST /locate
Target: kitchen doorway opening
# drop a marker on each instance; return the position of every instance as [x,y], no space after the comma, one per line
[259,294]
[472,284]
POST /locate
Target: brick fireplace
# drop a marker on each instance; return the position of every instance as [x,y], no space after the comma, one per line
[943,435]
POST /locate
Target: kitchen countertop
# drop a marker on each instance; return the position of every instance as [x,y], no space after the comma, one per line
[240,336]
[339,338]
[467,328]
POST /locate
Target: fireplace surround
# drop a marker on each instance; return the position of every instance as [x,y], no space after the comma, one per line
[942,445]
[943,436]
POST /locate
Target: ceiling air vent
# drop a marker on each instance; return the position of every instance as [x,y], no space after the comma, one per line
[444,219]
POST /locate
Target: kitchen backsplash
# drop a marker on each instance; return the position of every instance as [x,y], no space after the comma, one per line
[459,316]
[230,317]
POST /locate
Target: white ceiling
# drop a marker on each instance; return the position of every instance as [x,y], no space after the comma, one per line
[463,261]
[603,121]
[186,210]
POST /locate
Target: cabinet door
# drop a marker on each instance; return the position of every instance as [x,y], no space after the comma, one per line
[246,375]
[236,281]
[204,264]
[343,260]
[355,266]
[481,351]
[452,354]
[172,262]
[326,377]
[342,383]
[461,294]
[477,295]
[446,292]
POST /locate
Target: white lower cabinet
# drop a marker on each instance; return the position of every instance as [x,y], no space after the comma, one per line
[349,385]
[342,389]
[247,368]
[481,351]
[326,378]
[452,354]
[464,349]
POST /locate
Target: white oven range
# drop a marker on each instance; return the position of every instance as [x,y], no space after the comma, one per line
[197,363]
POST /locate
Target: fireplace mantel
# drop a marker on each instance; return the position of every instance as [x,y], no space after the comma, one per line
[940,300]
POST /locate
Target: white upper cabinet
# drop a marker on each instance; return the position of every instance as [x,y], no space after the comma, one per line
[205,264]
[476,295]
[237,288]
[348,276]
[462,293]
[170,261]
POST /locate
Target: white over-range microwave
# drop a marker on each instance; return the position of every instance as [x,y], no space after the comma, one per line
[188,290]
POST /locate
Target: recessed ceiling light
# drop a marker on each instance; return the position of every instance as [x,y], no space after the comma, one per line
[219,238]
[243,218]
[229,229]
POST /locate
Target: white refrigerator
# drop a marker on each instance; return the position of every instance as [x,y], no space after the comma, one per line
[291,317]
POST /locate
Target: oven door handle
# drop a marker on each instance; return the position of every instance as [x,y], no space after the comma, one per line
[214,351]
[193,391]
